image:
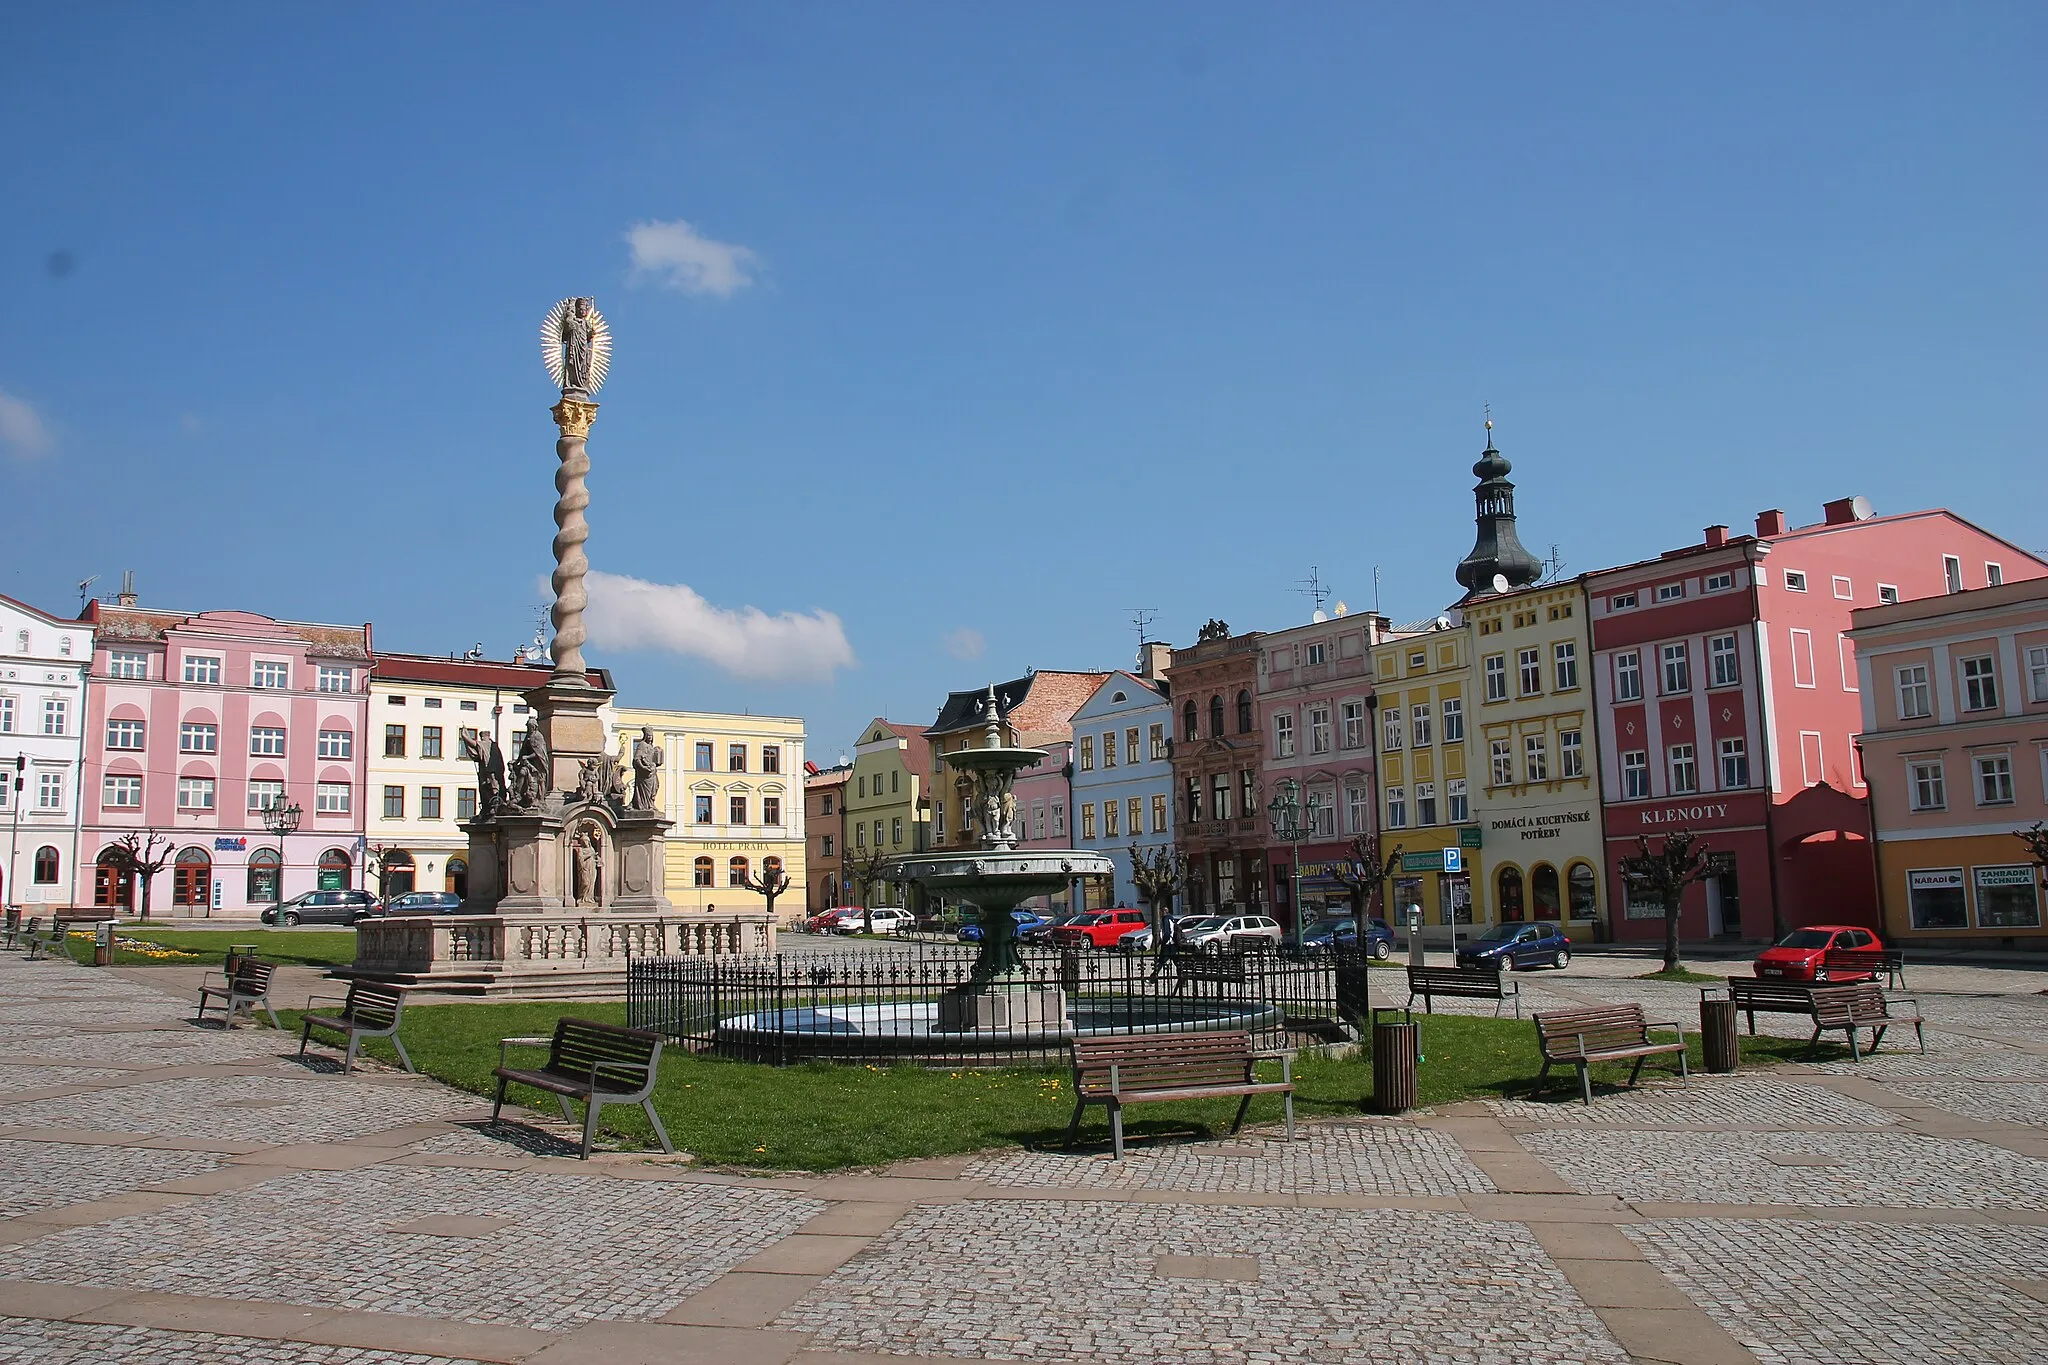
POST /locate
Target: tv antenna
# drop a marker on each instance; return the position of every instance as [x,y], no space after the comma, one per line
[85,589]
[1553,566]
[1141,621]
[1314,588]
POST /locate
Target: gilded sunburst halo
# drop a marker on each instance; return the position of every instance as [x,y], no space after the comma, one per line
[576,345]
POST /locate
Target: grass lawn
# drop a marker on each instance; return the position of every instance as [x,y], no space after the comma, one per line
[188,947]
[1684,974]
[822,1117]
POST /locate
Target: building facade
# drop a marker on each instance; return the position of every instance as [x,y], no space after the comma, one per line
[1728,698]
[419,785]
[1423,696]
[888,808]
[1955,750]
[1217,757]
[42,723]
[1535,788]
[733,786]
[196,725]
[1035,711]
[1122,775]
[824,835]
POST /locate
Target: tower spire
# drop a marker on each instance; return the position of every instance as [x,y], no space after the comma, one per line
[1497,553]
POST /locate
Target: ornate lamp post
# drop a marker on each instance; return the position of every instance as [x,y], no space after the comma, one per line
[280,820]
[1286,814]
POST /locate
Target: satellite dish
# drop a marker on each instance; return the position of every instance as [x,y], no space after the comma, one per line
[1343,610]
[1319,617]
[1860,508]
[1500,582]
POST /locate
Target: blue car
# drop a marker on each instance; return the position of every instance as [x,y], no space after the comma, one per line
[1026,920]
[1506,947]
[1343,934]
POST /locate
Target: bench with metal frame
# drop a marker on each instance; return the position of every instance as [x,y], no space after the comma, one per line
[1754,995]
[1889,963]
[247,988]
[1137,1068]
[1465,983]
[1863,1005]
[369,1010]
[599,1064]
[1610,1033]
[43,943]
[1195,967]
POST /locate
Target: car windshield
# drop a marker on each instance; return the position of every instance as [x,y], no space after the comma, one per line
[1205,922]
[1091,919]
[1500,933]
[1807,938]
[1334,926]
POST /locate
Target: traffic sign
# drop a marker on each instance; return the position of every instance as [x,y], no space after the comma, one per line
[1454,859]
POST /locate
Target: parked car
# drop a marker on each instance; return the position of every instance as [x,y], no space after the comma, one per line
[423,903]
[1802,954]
[322,907]
[1343,934]
[882,919]
[1042,933]
[1214,933]
[1099,928]
[822,922]
[970,932]
[1509,945]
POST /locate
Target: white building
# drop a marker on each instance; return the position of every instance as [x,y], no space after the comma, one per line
[43,664]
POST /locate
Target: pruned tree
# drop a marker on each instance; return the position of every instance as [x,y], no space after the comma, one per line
[1158,873]
[864,870]
[142,856]
[1364,877]
[377,863]
[2036,840]
[1662,876]
[769,882]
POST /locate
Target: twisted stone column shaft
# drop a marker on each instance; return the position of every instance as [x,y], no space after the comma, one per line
[573,416]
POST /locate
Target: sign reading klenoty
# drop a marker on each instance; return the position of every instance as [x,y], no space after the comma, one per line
[1539,826]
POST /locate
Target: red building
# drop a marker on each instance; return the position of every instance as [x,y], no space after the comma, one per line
[1727,702]
[1220,804]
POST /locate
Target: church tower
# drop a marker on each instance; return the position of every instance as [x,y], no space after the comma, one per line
[1496,551]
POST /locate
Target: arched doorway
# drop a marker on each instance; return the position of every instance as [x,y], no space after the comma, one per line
[337,869]
[398,873]
[1509,885]
[1583,888]
[266,873]
[192,878]
[456,881]
[113,881]
[1544,891]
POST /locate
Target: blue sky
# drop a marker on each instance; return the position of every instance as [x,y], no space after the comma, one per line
[991,323]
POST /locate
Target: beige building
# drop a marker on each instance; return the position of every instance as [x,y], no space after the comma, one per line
[734,786]
[888,806]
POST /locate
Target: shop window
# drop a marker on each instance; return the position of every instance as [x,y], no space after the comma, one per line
[1544,892]
[1935,898]
[1582,887]
[703,870]
[1509,884]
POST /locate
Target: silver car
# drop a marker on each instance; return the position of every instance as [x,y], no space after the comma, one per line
[1218,932]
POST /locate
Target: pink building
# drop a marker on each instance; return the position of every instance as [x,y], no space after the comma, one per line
[1728,700]
[1044,794]
[1955,749]
[195,724]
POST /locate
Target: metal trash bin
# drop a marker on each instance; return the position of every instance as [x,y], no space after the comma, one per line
[236,952]
[1395,1049]
[1718,1038]
[103,944]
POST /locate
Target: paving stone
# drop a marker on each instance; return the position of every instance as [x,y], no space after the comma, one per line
[1739,1101]
[51,1175]
[26,1340]
[2010,1101]
[318,1109]
[15,1078]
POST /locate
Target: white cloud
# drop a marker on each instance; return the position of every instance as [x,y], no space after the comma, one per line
[965,643]
[22,433]
[681,257]
[631,613]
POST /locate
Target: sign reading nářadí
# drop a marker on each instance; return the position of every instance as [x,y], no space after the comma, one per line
[1685,815]
[1540,826]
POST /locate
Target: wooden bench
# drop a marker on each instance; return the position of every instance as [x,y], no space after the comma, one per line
[1612,1033]
[1141,1067]
[597,1063]
[1889,963]
[1754,995]
[1467,983]
[42,943]
[245,989]
[1864,1005]
[369,1010]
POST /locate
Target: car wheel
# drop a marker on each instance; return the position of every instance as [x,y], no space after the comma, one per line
[1382,950]
[291,918]
[1562,960]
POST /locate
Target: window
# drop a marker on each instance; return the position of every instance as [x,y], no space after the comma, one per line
[1158,816]
[266,741]
[1110,822]
[1397,808]
[1994,574]
[860,828]
[1134,816]
[335,744]
[1677,669]
[736,811]
[1460,809]
[1628,676]
[46,865]
[332,679]
[771,814]
[1319,729]
[430,803]
[394,741]
[1131,747]
[202,668]
[264,795]
[430,741]
[465,706]
[400,701]
[1929,787]
[1844,590]
[703,872]
[127,663]
[1503,752]
[1915,698]
[1086,761]
[1496,677]
[122,791]
[1720,582]
[394,803]
[1187,721]
[703,756]
[1685,770]
[1994,780]
[331,798]
[1722,660]
[1565,664]
[1887,594]
[1734,764]
[6,715]
[1621,601]
[196,737]
[2037,673]
[1571,754]
[1980,685]
[1088,820]
[1795,581]
[736,871]
[702,810]
[735,758]
[49,791]
[269,673]
[2006,898]
[1535,758]
[1317,653]
[827,799]
[1952,570]
[465,803]
[1193,798]
[1247,791]
[1322,814]
[124,734]
[1352,714]
[195,793]
[55,710]
[1357,810]
[1390,728]
[1219,796]
[1283,736]
[1635,775]
[1157,735]
[1059,820]
[1418,724]
[1425,803]
[1670,592]
[1108,748]
[861,786]
[1244,712]
[1216,717]
[1454,720]
[771,758]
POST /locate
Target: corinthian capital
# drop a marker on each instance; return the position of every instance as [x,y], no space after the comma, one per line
[574,416]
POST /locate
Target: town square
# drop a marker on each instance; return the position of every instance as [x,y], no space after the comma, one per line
[833,687]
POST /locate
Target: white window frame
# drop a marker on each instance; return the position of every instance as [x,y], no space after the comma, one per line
[1419,725]
[266,734]
[1802,652]
[192,788]
[1536,758]
[1319,728]
[1495,668]
[203,669]
[1675,669]
[1391,721]
[331,678]
[1670,592]
[1926,785]
[192,732]
[331,798]
[1734,750]
[50,791]
[1529,671]
[1318,653]
[1979,687]
[1283,735]
[56,715]
[1719,582]
[1635,775]
[260,788]
[128,664]
[1571,753]
[117,787]
[119,732]
[1952,572]
[1397,808]
[1425,804]
[1628,676]
[1564,665]
[1682,767]
[1453,709]
[1501,768]
[1887,594]
[1724,661]
[1795,580]
[261,671]
[1991,775]
[1913,692]
[1351,714]
[336,744]
[1458,807]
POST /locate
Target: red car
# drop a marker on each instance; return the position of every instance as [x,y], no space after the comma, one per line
[1802,954]
[825,921]
[1099,928]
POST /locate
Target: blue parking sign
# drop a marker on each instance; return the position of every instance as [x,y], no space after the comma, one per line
[1454,859]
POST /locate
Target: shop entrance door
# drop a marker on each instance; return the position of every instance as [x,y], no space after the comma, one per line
[1724,901]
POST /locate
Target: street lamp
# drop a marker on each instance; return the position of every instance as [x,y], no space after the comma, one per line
[280,820]
[1285,813]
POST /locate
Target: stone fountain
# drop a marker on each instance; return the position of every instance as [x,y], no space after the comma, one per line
[999,994]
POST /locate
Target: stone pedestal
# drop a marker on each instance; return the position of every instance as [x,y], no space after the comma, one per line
[638,879]
[568,712]
[1025,1009]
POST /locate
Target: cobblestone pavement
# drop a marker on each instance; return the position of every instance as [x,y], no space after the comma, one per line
[32,1342]
[53,1175]
[247,1108]
[1994,1102]
[1722,1102]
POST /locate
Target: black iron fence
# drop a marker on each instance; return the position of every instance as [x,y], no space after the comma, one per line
[913,1003]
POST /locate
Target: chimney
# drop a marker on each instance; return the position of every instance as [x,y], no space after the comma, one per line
[127,597]
[1154,657]
[1842,511]
[1717,536]
[1771,523]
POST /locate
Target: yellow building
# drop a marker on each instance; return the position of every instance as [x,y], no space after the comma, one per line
[1422,679]
[734,787]
[1537,797]
[888,810]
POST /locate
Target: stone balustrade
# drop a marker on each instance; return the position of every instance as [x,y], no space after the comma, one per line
[503,951]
